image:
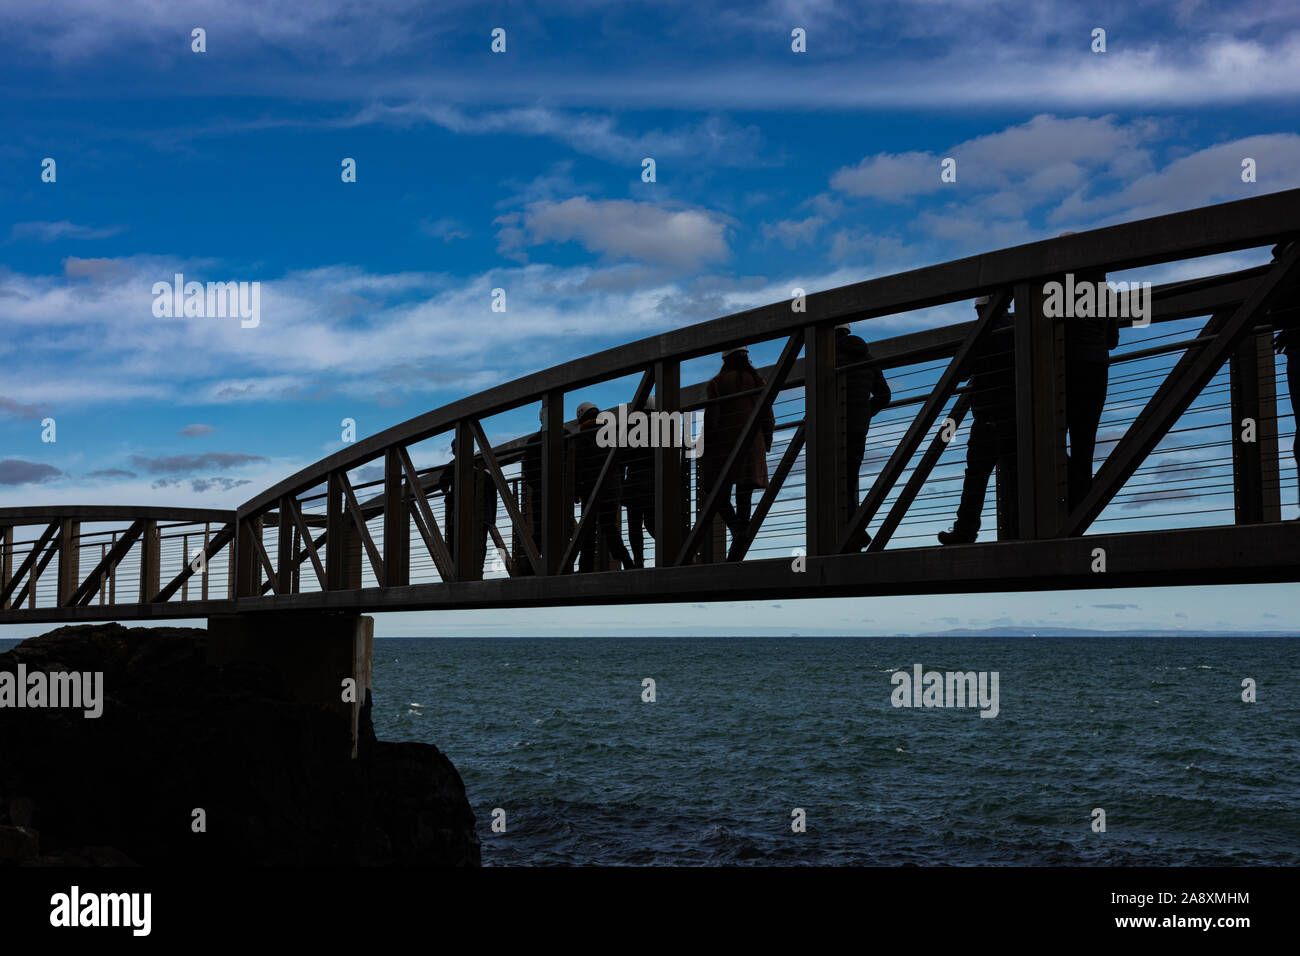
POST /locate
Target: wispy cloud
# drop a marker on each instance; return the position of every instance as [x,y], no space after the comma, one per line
[19,410]
[682,239]
[16,471]
[707,54]
[184,463]
[55,231]
[713,139]
[446,229]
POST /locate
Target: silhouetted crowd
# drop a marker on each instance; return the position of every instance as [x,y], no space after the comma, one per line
[605,482]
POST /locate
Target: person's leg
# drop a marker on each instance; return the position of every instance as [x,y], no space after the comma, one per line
[609,527]
[981,456]
[855,446]
[635,534]
[725,510]
[744,503]
[587,548]
[1085,400]
[483,545]
[1008,477]
[450,535]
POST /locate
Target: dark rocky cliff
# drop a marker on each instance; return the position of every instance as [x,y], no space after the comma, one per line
[177,734]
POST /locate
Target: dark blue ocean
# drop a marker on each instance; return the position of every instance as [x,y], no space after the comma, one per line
[744,730]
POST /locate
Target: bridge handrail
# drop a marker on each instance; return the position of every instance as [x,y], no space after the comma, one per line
[46,513]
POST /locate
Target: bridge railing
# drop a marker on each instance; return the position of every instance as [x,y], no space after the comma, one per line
[383,514]
[73,557]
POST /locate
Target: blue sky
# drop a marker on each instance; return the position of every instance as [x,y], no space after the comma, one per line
[522,171]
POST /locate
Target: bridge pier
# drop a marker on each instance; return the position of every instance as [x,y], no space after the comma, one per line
[313,654]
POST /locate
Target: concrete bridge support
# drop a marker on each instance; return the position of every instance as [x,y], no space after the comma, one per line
[313,653]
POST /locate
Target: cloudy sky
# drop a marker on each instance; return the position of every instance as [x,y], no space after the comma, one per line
[522,171]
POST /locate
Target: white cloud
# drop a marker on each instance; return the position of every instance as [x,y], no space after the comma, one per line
[1046,155]
[793,232]
[890,176]
[1207,176]
[673,238]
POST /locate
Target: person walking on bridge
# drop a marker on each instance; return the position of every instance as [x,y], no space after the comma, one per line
[866,393]
[733,394]
[992,438]
[1088,344]
[589,460]
[639,494]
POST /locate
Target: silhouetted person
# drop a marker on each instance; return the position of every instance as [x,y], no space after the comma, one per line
[639,494]
[485,492]
[993,429]
[724,420]
[1088,341]
[589,459]
[1285,316]
[866,393]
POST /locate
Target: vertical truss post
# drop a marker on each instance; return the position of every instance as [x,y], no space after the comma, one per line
[342,541]
[669,514]
[284,547]
[1256,484]
[248,564]
[150,561]
[207,541]
[554,504]
[6,560]
[397,523]
[69,559]
[1040,414]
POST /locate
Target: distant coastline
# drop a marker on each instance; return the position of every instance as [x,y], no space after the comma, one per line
[991,632]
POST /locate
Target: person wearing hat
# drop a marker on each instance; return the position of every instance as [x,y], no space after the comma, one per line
[866,393]
[992,440]
[732,398]
[588,460]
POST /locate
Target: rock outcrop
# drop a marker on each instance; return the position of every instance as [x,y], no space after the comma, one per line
[178,736]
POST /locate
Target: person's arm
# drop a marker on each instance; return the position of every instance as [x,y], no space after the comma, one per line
[881,395]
